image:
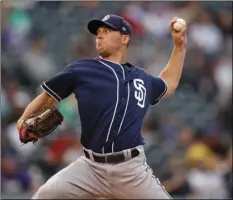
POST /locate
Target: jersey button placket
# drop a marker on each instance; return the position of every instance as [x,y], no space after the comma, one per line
[114,132]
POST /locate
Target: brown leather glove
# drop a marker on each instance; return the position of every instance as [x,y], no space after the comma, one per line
[40,125]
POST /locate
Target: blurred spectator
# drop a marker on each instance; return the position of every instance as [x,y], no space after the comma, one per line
[205,34]
[22,4]
[5,106]
[224,20]
[228,174]
[186,137]
[223,77]
[134,13]
[203,178]
[17,97]
[36,63]
[175,180]
[81,51]
[157,19]
[5,30]
[17,25]
[147,133]
[71,154]
[23,150]
[14,179]
[69,110]
[50,160]
[225,116]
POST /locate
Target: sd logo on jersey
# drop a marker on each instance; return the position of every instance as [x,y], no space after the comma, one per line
[140,92]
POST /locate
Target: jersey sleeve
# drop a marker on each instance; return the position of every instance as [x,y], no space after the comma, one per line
[158,89]
[62,84]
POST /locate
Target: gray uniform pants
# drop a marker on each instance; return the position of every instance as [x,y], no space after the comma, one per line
[86,179]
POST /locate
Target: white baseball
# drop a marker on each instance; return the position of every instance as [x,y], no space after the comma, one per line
[179,24]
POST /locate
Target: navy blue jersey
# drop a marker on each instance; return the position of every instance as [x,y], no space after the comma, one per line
[112,101]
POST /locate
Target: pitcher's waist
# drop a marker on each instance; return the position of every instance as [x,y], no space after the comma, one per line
[115,157]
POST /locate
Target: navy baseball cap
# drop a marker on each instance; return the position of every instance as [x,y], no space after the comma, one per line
[114,22]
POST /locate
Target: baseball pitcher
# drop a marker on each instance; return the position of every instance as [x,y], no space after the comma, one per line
[113,97]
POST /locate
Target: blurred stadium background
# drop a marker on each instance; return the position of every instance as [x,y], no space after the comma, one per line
[188,135]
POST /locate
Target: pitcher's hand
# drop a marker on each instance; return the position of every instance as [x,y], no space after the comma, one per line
[179,37]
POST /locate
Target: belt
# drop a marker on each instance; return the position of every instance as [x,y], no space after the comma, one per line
[111,159]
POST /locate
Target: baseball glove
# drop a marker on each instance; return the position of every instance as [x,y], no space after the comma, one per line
[40,125]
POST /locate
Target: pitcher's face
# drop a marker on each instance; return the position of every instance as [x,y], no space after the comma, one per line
[109,41]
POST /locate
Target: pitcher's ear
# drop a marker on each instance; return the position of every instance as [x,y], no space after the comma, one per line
[125,39]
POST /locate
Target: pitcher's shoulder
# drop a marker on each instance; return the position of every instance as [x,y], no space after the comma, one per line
[81,63]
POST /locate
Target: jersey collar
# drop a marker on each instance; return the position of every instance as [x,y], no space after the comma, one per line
[125,64]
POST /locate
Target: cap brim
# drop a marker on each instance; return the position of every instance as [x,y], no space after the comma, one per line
[94,24]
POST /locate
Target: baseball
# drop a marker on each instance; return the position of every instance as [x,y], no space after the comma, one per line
[179,24]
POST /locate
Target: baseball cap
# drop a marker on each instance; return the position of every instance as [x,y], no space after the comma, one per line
[114,22]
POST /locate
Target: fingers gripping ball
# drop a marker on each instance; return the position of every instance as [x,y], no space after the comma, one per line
[179,24]
[40,125]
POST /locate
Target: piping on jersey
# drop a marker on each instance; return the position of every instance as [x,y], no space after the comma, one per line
[125,106]
[114,113]
[166,87]
[165,90]
[51,92]
[124,114]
